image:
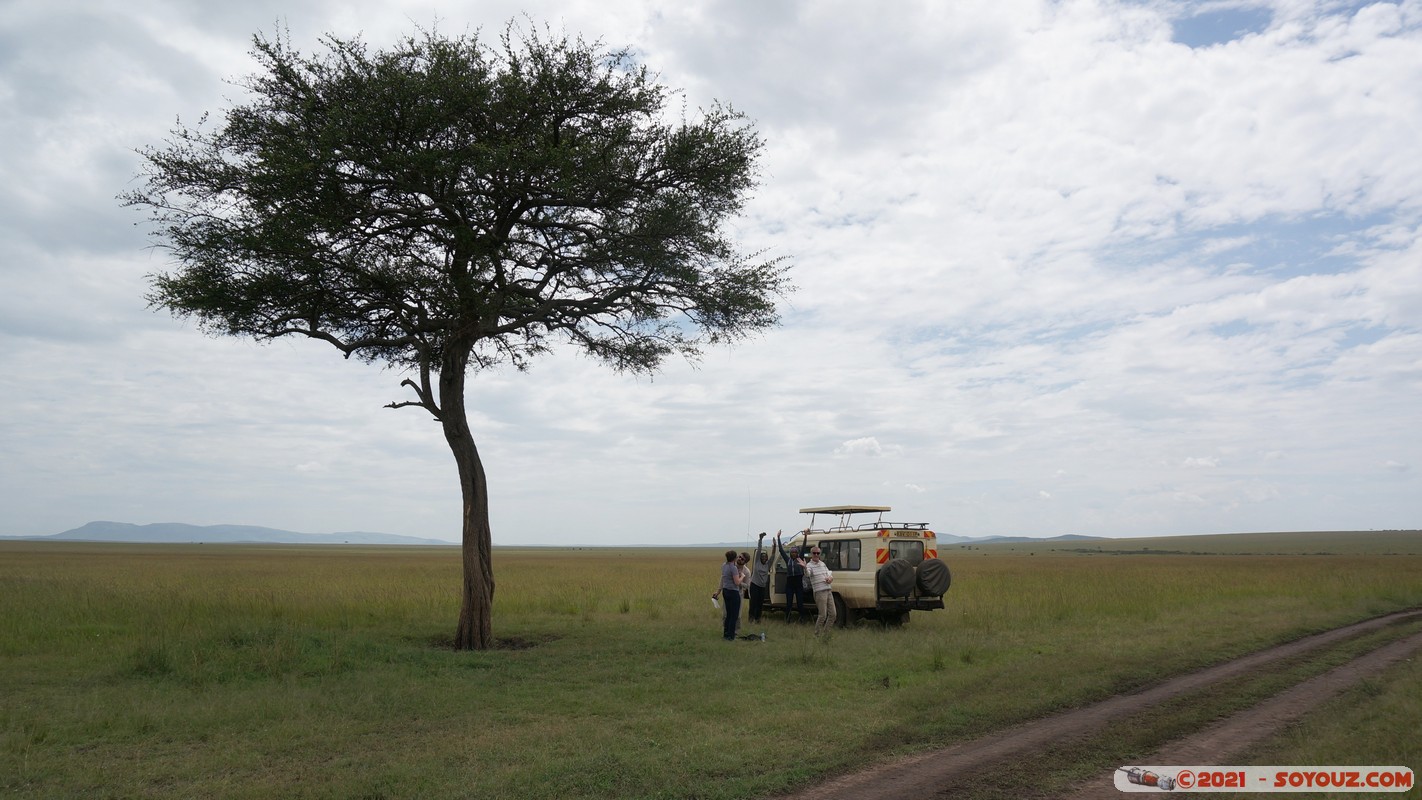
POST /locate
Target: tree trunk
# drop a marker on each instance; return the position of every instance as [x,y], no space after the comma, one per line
[475,631]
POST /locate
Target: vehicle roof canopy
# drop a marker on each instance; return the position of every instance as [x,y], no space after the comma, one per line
[848,509]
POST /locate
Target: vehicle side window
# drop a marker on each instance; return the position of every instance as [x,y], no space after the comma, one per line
[911,550]
[840,556]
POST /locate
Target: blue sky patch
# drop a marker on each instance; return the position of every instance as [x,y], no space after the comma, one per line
[1289,247]
[1218,27]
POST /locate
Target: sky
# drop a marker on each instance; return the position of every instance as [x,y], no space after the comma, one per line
[1116,269]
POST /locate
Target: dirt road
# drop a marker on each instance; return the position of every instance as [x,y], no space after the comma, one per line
[932,775]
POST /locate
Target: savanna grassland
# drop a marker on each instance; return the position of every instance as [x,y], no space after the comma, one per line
[326,672]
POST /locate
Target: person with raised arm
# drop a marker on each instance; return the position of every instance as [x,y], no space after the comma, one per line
[794,579]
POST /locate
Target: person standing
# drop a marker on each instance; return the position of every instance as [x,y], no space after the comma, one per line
[794,579]
[818,575]
[743,564]
[730,594]
[759,580]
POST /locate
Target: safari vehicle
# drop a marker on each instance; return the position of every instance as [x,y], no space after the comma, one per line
[882,570]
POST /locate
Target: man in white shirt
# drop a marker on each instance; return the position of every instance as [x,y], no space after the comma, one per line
[819,577]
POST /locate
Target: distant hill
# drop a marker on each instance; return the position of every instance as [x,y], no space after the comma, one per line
[177,532]
[181,533]
[1070,537]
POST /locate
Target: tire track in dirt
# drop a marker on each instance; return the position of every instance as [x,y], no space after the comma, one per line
[1219,743]
[929,775]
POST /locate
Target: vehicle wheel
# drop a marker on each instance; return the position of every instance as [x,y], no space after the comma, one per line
[934,577]
[896,578]
[895,619]
[841,614]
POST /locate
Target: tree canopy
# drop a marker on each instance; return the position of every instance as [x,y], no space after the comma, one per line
[445,206]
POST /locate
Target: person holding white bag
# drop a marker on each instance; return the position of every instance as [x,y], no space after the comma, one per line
[730,593]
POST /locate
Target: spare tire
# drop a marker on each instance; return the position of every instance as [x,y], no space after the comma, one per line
[933,577]
[896,578]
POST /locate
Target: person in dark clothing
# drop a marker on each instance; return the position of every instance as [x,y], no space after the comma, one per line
[760,579]
[730,593]
[794,579]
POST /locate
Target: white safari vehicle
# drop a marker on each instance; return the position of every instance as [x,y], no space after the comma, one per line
[882,570]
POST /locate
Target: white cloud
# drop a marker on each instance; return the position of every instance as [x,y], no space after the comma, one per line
[865,447]
[1037,244]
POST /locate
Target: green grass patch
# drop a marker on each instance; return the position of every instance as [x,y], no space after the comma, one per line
[252,672]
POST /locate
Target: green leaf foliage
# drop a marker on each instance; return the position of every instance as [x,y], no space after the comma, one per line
[447,204]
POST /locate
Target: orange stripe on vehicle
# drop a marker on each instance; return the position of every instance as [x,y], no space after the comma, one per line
[930,554]
[881,555]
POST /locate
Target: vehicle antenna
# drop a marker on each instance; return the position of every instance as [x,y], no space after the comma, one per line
[748,513]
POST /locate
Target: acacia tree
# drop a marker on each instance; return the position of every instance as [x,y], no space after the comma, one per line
[445,206]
